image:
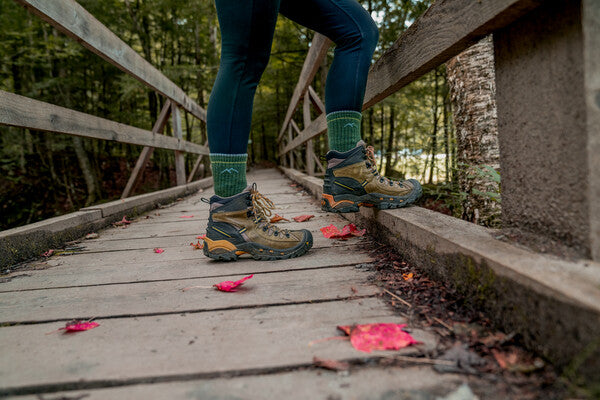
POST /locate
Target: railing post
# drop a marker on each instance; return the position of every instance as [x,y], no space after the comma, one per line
[146,153]
[310,166]
[291,153]
[178,133]
[548,85]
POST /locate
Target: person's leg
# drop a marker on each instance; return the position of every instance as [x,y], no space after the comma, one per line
[355,34]
[351,179]
[246,34]
[239,216]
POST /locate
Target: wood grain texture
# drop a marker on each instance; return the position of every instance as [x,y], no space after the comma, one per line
[20,111]
[178,133]
[190,343]
[74,21]
[316,53]
[447,28]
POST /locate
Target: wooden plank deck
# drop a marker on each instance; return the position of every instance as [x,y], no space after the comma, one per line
[157,341]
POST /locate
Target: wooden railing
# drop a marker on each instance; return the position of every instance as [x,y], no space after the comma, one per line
[74,21]
[548,89]
[446,29]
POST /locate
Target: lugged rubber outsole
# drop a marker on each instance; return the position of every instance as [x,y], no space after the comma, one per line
[262,253]
[350,203]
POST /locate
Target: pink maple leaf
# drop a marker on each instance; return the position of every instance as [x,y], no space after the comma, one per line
[186,216]
[230,286]
[371,337]
[78,326]
[159,250]
[201,237]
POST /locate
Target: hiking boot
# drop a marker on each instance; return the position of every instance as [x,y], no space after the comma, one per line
[352,180]
[240,225]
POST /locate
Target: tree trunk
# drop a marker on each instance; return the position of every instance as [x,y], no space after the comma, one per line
[435,127]
[88,174]
[472,91]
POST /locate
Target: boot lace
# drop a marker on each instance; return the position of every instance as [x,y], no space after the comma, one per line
[261,210]
[372,166]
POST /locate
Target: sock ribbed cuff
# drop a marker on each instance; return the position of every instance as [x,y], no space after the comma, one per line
[229,173]
[343,130]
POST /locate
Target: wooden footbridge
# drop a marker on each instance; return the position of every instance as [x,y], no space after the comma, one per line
[156,340]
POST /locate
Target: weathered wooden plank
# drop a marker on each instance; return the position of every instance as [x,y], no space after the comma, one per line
[316,53]
[316,100]
[203,343]
[73,20]
[24,112]
[69,274]
[144,157]
[316,128]
[178,133]
[446,29]
[310,166]
[167,296]
[415,383]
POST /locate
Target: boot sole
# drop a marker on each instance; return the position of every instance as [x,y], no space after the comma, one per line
[226,251]
[346,203]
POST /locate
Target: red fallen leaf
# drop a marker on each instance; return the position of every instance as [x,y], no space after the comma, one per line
[48,253]
[78,326]
[201,237]
[302,218]
[333,365]
[229,286]
[122,222]
[332,232]
[186,216]
[371,337]
[158,250]
[277,218]
[197,246]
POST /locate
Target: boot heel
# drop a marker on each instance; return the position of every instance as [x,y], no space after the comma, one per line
[220,250]
[341,206]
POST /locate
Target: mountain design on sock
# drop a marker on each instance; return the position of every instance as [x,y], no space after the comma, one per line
[343,129]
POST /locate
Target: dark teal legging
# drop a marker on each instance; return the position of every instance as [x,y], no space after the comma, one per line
[247,28]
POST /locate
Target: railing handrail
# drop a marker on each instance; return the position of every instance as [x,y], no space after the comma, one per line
[446,29]
[76,22]
[24,112]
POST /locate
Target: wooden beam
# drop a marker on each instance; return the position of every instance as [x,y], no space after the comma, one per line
[178,133]
[295,126]
[316,128]
[137,172]
[291,155]
[446,29]
[316,53]
[24,112]
[74,21]
[318,162]
[310,166]
[196,165]
[316,101]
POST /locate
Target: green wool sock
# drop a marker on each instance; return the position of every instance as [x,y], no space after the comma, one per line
[229,173]
[343,130]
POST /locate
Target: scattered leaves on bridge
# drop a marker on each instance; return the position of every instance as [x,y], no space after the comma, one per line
[159,250]
[48,253]
[230,286]
[302,218]
[197,246]
[277,218]
[348,231]
[369,337]
[186,216]
[122,222]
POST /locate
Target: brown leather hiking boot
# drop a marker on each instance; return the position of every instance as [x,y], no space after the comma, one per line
[352,180]
[240,225]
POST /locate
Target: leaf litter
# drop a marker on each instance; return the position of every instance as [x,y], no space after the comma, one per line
[468,343]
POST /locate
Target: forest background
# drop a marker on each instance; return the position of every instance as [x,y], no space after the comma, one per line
[44,175]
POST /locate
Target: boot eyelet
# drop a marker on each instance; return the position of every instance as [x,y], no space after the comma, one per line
[276,233]
[287,235]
